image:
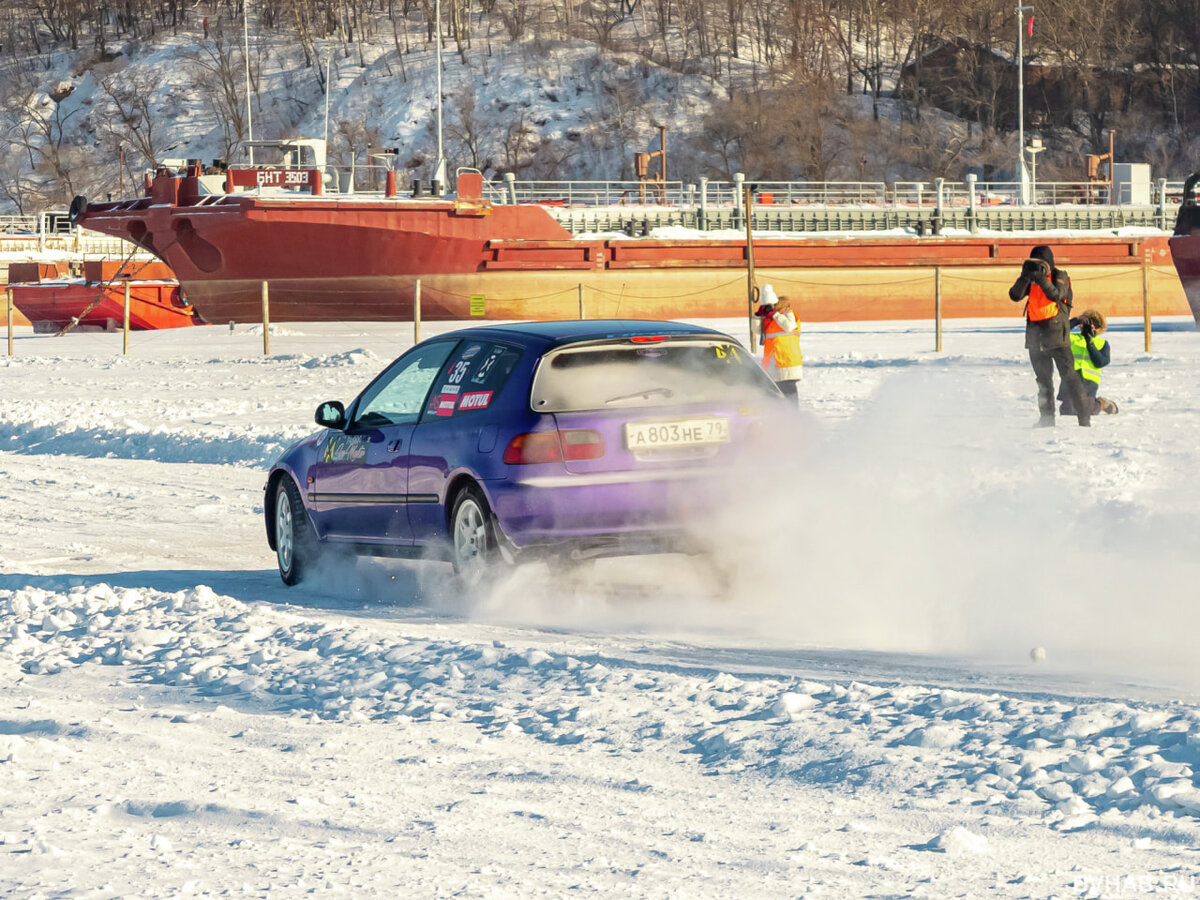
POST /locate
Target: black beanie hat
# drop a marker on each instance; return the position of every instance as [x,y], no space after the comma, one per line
[1043,252]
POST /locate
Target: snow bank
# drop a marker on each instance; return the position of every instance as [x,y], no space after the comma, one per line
[1075,762]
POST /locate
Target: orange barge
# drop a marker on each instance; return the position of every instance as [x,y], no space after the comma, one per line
[51,299]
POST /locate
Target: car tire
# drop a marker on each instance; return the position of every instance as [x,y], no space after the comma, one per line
[296,547]
[473,546]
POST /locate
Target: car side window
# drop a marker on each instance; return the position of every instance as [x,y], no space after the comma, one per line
[397,396]
[471,379]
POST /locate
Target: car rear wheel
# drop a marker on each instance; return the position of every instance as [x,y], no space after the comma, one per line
[296,547]
[473,537]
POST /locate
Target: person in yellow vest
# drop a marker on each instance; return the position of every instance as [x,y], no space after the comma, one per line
[1048,295]
[781,341]
[1092,353]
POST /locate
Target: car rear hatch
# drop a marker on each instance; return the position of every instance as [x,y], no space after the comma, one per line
[651,403]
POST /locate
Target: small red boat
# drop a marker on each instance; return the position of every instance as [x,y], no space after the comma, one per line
[51,299]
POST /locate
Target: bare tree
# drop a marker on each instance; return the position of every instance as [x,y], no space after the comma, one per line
[518,16]
[217,69]
[36,122]
[129,114]
[517,145]
[467,128]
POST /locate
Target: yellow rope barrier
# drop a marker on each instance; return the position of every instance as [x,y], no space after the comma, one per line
[623,295]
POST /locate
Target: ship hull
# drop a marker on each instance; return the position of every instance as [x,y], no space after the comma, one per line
[820,295]
[1185,252]
[339,258]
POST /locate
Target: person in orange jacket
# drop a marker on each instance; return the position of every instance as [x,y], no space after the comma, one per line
[781,341]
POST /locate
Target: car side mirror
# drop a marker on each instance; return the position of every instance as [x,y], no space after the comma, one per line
[331,414]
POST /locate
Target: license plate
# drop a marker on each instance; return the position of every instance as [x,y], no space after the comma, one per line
[676,433]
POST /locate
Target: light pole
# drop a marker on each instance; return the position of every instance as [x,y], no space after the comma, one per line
[1021,174]
[1035,147]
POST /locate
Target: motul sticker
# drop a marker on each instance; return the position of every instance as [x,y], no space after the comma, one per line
[475,400]
[445,406]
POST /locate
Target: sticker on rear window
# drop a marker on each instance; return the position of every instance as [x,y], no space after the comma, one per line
[475,400]
[727,352]
[486,368]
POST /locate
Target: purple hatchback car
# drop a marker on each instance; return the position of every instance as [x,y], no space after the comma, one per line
[557,440]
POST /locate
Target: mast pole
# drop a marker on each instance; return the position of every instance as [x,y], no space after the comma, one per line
[246,58]
[328,60]
[439,172]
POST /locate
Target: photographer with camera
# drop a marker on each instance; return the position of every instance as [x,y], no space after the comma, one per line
[1048,293]
[1092,353]
[781,341]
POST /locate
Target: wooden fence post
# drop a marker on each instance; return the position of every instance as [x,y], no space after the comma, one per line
[266,321]
[8,294]
[937,305]
[125,321]
[1146,297]
[417,311]
[750,271]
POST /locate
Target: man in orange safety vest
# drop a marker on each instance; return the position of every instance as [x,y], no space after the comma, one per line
[1048,293]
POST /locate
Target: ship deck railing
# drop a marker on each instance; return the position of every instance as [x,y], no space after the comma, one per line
[919,194]
[369,180]
[636,208]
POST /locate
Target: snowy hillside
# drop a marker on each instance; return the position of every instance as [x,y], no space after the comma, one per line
[862,717]
[546,108]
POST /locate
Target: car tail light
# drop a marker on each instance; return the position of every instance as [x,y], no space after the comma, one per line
[553,446]
[533,447]
[581,443]
[647,338]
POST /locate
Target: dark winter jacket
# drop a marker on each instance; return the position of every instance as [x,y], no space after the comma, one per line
[1049,334]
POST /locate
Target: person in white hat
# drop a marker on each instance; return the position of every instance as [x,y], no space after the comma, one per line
[781,341]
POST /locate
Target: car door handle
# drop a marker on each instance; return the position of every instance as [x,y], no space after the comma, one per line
[394,445]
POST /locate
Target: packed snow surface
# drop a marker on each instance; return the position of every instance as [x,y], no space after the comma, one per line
[860,711]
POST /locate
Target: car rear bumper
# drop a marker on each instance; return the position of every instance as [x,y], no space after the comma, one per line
[606,514]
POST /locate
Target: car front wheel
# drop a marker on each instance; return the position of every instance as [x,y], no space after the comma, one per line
[296,547]
[473,538]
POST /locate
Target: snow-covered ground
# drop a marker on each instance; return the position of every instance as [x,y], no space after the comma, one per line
[862,717]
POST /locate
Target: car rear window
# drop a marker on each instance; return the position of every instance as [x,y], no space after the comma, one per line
[662,373]
[471,379]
